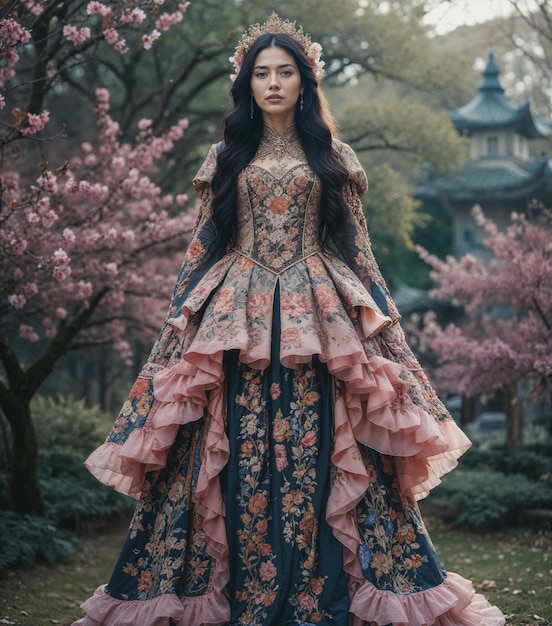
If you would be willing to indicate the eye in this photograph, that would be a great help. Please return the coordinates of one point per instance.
(260, 74)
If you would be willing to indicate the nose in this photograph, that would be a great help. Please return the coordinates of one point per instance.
(274, 80)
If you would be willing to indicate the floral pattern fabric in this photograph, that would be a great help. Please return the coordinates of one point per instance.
(279, 436)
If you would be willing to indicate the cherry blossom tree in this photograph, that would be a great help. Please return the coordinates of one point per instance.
(506, 299)
(90, 246)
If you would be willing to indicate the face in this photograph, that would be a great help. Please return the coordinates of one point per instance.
(276, 86)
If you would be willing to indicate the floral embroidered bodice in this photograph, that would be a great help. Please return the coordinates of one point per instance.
(278, 197)
(278, 217)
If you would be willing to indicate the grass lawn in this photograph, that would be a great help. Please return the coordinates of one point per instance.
(513, 570)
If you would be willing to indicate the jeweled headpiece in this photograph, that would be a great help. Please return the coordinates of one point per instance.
(275, 25)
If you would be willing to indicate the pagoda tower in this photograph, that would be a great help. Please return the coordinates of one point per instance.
(500, 174)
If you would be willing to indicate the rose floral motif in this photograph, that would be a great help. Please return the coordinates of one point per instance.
(258, 304)
(405, 534)
(268, 571)
(327, 300)
(293, 305)
(195, 250)
(279, 205)
(140, 387)
(306, 602)
(275, 391)
(280, 456)
(309, 439)
(290, 336)
(225, 303)
(257, 503)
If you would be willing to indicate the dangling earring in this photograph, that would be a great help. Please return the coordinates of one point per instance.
(301, 103)
(251, 109)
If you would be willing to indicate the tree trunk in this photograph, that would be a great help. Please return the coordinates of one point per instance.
(467, 410)
(514, 419)
(24, 489)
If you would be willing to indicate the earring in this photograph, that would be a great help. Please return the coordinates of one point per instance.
(301, 103)
(251, 109)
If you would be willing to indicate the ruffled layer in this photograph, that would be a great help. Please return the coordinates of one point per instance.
(124, 466)
(452, 603)
(103, 610)
(319, 298)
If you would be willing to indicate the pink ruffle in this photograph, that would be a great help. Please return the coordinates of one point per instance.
(452, 603)
(124, 466)
(212, 609)
(200, 377)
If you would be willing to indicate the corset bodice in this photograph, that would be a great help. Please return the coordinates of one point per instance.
(278, 217)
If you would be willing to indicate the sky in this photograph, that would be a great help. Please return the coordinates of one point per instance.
(449, 15)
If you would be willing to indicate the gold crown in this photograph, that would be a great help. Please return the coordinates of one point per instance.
(274, 24)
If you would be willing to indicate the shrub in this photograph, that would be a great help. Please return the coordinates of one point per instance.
(28, 538)
(491, 499)
(67, 431)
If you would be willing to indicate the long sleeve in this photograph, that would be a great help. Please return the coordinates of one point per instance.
(356, 245)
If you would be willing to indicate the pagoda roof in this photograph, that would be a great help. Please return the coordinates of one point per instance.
(497, 178)
(490, 109)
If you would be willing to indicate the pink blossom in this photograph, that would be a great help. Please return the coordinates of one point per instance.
(61, 273)
(18, 246)
(48, 182)
(60, 257)
(36, 122)
(167, 20)
(133, 16)
(115, 40)
(148, 40)
(49, 218)
(29, 289)
(486, 351)
(181, 199)
(98, 8)
(111, 269)
(28, 332)
(12, 33)
(17, 301)
(69, 235)
(144, 124)
(61, 313)
(2, 102)
(33, 217)
(77, 36)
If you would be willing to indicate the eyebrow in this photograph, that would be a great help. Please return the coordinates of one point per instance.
(265, 67)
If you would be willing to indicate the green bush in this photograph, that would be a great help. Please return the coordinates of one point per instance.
(532, 460)
(65, 424)
(67, 431)
(491, 499)
(28, 538)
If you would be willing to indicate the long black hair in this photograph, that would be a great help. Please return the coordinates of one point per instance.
(242, 136)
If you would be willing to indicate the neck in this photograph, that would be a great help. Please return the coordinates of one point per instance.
(279, 124)
(285, 133)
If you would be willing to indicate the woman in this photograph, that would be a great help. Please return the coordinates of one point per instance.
(282, 430)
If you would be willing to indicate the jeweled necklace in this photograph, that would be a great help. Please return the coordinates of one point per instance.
(280, 148)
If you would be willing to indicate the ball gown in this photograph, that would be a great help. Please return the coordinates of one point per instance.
(280, 434)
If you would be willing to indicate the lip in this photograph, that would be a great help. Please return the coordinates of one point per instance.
(274, 98)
